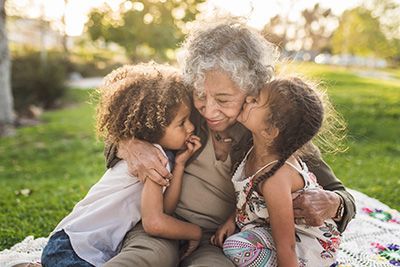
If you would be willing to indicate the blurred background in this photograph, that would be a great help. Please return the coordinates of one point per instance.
(54, 52)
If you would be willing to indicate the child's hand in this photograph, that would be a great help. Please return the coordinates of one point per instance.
(223, 232)
(189, 248)
(192, 146)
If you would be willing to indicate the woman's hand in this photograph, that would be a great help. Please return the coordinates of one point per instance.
(312, 207)
(192, 146)
(223, 232)
(144, 161)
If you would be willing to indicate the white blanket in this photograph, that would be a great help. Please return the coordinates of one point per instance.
(371, 239)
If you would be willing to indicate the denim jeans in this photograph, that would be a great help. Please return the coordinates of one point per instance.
(59, 252)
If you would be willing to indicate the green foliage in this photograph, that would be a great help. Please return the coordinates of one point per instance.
(360, 33)
(36, 81)
(145, 29)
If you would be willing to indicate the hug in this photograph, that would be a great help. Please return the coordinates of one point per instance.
(209, 164)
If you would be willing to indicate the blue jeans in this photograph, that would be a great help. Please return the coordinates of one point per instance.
(59, 252)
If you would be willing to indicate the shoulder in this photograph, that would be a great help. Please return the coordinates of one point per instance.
(285, 178)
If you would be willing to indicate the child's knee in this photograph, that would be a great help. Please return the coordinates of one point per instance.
(235, 245)
(247, 247)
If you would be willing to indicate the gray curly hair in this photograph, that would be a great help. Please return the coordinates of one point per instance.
(228, 44)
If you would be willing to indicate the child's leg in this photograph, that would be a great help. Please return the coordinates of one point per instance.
(59, 252)
(253, 247)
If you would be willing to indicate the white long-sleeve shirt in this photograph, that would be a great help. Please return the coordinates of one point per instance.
(98, 223)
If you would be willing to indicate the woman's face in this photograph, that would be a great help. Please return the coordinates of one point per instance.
(221, 101)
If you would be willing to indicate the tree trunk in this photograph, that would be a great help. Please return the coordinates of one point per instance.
(7, 116)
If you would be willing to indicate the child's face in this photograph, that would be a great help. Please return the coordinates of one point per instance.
(178, 132)
(255, 112)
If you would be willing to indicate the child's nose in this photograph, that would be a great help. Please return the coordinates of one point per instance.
(190, 127)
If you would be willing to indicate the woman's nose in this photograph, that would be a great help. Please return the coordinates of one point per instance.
(210, 109)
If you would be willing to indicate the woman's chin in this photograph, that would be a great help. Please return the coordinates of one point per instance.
(219, 127)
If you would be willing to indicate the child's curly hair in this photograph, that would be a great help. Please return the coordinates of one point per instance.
(139, 101)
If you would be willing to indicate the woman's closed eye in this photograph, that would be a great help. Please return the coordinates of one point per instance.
(222, 101)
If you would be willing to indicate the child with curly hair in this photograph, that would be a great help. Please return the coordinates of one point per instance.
(146, 101)
(283, 120)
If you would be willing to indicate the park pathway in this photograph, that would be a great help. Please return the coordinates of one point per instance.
(85, 83)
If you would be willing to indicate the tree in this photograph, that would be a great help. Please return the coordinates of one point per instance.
(359, 33)
(387, 11)
(145, 29)
(317, 34)
(310, 32)
(6, 99)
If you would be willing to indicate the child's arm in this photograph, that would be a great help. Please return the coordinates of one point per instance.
(173, 192)
(277, 194)
(155, 222)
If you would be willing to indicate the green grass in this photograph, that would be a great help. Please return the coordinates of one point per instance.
(57, 160)
(60, 159)
(371, 109)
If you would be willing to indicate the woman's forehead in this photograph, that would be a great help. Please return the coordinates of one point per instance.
(219, 83)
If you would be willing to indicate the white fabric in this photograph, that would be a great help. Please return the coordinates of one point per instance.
(315, 246)
(355, 250)
(98, 223)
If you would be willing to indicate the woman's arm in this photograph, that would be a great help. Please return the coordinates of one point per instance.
(318, 205)
(277, 194)
(157, 223)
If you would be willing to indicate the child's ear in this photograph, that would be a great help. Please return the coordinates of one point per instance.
(270, 133)
(250, 99)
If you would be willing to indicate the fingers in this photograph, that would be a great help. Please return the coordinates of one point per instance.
(212, 240)
(220, 239)
(189, 147)
(193, 138)
(300, 221)
(145, 160)
(155, 176)
(192, 246)
(308, 208)
(197, 145)
(163, 161)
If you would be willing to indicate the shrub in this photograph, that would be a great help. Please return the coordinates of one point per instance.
(38, 82)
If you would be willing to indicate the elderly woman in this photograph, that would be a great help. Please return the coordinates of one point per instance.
(225, 61)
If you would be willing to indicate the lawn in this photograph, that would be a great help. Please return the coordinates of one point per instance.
(46, 169)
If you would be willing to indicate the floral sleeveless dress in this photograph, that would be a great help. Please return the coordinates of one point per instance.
(254, 245)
